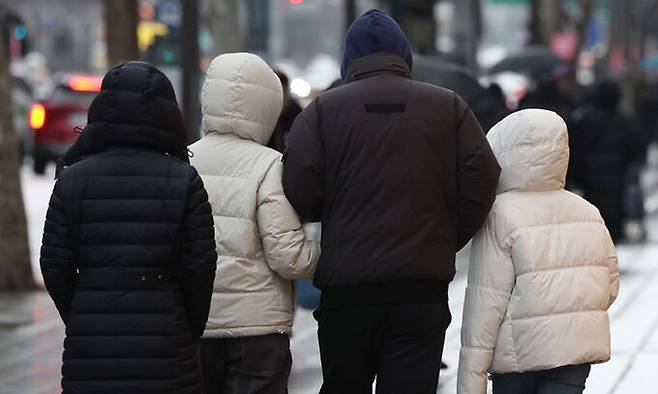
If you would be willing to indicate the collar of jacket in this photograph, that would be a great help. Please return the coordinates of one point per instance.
(377, 64)
(100, 136)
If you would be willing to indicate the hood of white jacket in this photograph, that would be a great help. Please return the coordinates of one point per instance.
(241, 95)
(532, 148)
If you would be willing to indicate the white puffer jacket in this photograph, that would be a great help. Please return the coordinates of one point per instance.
(543, 270)
(260, 242)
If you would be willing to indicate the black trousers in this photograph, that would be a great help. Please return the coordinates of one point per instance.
(564, 380)
(401, 345)
(248, 365)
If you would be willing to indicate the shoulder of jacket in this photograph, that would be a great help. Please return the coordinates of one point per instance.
(513, 211)
(585, 208)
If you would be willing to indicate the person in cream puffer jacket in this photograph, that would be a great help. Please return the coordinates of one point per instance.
(261, 244)
(543, 271)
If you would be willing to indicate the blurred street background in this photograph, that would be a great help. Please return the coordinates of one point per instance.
(500, 55)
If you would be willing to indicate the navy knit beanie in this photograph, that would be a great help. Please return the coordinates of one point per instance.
(374, 32)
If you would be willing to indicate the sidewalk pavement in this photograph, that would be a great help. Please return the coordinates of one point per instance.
(31, 335)
(634, 321)
(31, 332)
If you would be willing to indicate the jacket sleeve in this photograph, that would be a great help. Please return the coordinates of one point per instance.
(491, 279)
(303, 173)
(288, 250)
(478, 173)
(613, 266)
(196, 271)
(58, 255)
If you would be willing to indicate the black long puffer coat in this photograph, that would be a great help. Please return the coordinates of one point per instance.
(128, 251)
(603, 144)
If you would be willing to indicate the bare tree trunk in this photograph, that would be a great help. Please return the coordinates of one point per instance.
(630, 81)
(546, 18)
(646, 26)
(416, 17)
(15, 268)
(121, 31)
(586, 7)
(534, 23)
(350, 13)
(474, 34)
(191, 69)
(221, 19)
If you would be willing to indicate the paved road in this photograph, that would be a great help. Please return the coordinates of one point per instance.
(31, 333)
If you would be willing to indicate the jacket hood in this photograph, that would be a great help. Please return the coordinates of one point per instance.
(136, 108)
(374, 32)
(241, 95)
(532, 148)
(607, 95)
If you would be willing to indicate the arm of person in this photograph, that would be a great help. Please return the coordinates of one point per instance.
(196, 271)
(288, 250)
(478, 173)
(303, 172)
(58, 255)
(613, 266)
(491, 279)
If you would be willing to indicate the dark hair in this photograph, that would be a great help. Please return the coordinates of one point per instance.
(282, 77)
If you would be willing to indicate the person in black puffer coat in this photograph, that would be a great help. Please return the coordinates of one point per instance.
(128, 251)
(603, 143)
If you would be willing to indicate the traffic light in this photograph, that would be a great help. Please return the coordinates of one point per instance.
(20, 32)
(14, 30)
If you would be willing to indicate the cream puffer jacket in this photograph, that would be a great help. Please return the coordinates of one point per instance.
(543, 269)
(261, 244)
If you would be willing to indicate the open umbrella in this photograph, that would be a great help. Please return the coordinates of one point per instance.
(448, 75)
(488, 107)
(535, 61)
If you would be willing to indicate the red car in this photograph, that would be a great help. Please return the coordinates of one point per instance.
(55, 119)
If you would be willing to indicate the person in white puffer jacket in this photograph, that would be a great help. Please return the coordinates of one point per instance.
(543, 271)
(261, 244)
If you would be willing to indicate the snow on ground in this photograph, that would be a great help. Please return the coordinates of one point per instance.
(36, 194)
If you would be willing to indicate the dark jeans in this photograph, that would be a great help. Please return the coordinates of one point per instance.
(399, 344)
(564, 380)
(259, 364)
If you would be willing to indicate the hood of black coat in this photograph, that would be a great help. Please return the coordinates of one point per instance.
(136, 108)
(607, 95)
(372, 33)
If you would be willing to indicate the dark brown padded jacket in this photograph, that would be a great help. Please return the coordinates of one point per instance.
(401, 176)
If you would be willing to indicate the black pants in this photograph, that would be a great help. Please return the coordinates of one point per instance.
(247, 365)
(564, 380)
(399, 344)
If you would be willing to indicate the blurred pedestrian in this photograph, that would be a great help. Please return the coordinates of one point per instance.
(128, 255)
(604, 144)
(496, 103)
(535, 312)
(289, 112)
(401, 176)
(260, 241)
(647, 103)
(556, 92)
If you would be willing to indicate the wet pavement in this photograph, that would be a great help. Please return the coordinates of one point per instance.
(31, 332)
(31, 336)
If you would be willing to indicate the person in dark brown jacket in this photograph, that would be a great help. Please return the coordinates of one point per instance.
(401, 176)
